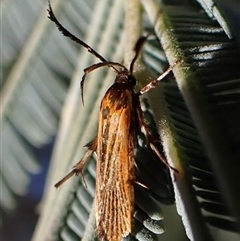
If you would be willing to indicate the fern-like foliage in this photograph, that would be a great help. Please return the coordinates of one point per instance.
(195, 112)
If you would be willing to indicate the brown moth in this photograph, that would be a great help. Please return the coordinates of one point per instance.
(120, 122)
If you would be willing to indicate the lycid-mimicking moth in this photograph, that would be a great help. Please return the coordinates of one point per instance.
(120, 121)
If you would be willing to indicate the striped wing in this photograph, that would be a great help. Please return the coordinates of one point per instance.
(115, 166)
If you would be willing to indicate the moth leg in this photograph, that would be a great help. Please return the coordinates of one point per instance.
(162, 157)
(143, 124)
(151, 143)
(92, 146)
(141, 185)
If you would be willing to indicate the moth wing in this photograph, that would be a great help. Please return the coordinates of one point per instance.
(115, 167)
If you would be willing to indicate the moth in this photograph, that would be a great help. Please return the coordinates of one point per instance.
(120, 121)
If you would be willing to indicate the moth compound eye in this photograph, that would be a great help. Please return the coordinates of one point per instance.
(132, 80)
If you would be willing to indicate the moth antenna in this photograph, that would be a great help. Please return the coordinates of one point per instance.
(66, 33)
(137, 49)
(141, 41)
(96, 66)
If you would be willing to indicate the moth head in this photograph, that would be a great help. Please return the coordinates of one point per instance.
(126, 77)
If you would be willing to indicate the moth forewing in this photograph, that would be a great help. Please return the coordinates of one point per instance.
(118, 127)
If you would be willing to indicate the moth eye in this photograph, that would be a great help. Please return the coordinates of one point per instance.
(132, 80)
